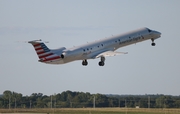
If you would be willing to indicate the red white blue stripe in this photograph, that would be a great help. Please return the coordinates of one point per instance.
(44, 53)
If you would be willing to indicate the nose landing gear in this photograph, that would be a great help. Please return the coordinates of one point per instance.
(153, 44)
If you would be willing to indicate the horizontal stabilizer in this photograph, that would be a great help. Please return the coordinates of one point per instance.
(34, 41)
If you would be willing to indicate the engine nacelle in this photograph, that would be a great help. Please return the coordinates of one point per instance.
(62, 56)
(71, 54)
(65, 54)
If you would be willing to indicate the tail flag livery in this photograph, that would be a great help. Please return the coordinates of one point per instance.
(43, 52)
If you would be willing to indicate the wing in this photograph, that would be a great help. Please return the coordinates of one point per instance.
(110, 53)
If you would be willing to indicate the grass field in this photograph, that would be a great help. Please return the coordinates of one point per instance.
(92, 111)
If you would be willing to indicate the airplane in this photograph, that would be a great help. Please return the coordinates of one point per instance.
(97, 49)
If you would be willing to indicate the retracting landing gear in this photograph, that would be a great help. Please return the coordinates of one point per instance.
(84, 62)
(153, 44)
(101, 63)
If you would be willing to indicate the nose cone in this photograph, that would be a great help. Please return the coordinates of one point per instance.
(157, 34)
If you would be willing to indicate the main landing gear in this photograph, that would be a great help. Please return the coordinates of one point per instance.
(84, 62)
(153, 44)
(101, 63)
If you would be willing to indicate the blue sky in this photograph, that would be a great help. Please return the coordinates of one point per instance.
(144, 70)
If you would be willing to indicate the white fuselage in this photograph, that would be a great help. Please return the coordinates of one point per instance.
(90, 50)
(97, 49)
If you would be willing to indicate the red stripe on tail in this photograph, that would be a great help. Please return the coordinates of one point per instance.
(36, 44)
(43, 56)
(41, 52)
(50, 59)
(38, 48)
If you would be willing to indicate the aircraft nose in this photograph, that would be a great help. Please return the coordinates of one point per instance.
(157, 33)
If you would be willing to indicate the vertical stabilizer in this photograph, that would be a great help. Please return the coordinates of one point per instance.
(43, 52)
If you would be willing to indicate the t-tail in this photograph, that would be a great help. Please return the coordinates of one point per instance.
(44, 53)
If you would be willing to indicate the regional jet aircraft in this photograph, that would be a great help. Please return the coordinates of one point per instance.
(97, 49)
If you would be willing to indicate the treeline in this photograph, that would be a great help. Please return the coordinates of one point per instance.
(69, 99)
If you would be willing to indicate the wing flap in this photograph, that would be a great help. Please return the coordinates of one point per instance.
(110, 53)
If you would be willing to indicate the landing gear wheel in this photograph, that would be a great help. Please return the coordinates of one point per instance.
(84, 63)
(101, 63)
(153, 44)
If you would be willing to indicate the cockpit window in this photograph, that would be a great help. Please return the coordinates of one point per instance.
(149, 30)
